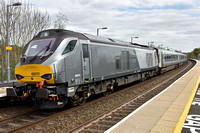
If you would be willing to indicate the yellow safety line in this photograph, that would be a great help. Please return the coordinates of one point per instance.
(179, 124)
(3, 89)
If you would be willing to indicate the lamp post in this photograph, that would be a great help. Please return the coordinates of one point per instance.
(132, 38)
(7, 31)
(2, 69)
(150, 43)
(99, 29)
(160, 46)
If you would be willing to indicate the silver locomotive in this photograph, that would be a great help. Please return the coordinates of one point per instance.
(60, 66)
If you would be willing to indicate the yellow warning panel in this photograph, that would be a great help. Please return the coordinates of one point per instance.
(8, 48)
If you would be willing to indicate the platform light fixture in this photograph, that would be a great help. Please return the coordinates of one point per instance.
(100, 29)
(133, 37)
(7, 32)
(150, 43)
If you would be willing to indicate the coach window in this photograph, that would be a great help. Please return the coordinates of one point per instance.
(70, 46)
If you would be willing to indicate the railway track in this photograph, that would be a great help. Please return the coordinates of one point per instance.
(10, 84)
(13, 122)
(22, 121)
(106, 120)
(33, 121)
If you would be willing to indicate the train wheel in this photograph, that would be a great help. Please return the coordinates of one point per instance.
(77, 99)
(109, 90)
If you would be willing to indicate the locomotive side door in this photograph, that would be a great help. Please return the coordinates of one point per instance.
(85, 62)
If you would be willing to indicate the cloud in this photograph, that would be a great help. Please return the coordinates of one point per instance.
(173, 23)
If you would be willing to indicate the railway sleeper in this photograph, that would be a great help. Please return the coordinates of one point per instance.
(127, 108)
(15, 124)
(114, 117)
(130, 108)
(3, 130)
(108, 122)
(103, 125)
(27, 120)
(125, 111)
(92, 131)
(36, 117)
(121, 114)
(130, 105)
(99, 126)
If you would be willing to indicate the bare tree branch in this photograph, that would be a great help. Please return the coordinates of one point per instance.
(61, 21)
(24, 22)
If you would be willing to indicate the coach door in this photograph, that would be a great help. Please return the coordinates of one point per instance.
(86, 62)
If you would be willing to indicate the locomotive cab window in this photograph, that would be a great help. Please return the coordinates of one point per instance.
(38, 47)
(70, 46)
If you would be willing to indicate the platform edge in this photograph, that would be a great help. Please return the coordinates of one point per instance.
(120, 122)
(179, 124)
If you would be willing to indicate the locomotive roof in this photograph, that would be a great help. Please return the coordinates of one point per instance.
(170, 52)
(59, 33)
(99, 39)
(92, 38)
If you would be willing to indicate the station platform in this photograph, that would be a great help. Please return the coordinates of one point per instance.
(2, 92)
(3, 87)
(166, 112)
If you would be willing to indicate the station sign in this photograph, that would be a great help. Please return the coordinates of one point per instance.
(8, 48)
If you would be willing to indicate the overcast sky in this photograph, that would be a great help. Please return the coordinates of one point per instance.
(172, 23)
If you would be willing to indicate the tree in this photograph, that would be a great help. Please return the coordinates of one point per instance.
(151, 45)
(61, 21)
(195, 53)
(25, 22)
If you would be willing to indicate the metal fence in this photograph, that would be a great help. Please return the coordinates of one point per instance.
(2, 73)
(3, 69)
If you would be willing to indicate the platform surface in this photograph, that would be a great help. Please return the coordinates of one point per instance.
(166, 112)
(192, 122)
(3, 92)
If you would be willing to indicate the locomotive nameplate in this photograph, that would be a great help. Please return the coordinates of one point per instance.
(31, 67)
(35, 73)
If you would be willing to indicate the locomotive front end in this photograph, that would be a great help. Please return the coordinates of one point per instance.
(34, 74)
(31, 68)
(36, 71)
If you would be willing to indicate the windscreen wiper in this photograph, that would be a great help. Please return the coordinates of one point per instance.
(45, 48)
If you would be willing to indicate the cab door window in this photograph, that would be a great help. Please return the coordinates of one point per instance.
(70, 46)
(85, 51)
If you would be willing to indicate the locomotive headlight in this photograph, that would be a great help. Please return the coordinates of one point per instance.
(46, 76)
(19, 77)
